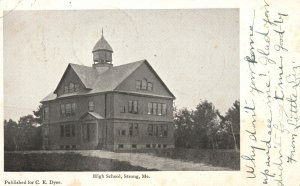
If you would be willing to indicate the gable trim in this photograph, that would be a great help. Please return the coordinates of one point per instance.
(64, 75)
(155, 74)
(93, 114)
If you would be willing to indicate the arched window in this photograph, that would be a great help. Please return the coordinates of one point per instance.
(66, 89)
(76, 87)
(71, 88)
(144, 84)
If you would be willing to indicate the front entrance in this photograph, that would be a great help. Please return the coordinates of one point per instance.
(88, 132)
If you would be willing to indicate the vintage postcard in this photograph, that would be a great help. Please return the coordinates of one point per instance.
(150, 93)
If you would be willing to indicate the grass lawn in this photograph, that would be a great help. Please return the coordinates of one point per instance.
(63, 162)
(199, 159)
(219, 158)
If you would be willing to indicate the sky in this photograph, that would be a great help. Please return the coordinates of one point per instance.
(194, 51)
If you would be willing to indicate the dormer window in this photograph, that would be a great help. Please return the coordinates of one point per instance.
(143, 85)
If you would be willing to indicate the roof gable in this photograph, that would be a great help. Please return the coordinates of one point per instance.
(145, 71)
(86, 75)
(110, 80)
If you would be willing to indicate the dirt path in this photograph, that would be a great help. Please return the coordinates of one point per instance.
(142, 159)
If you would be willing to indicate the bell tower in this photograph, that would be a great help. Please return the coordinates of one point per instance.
(102, 55)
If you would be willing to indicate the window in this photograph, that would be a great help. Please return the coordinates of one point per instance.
(159, 145)
(148, 146)
(91, 106)
(164, 130)
(67, 130)
(121, 132)
(122, 109)
(133, 146)
(130, 129)
(159, 130)
(76, 87)
(71, 88)
(73, 108)
(150, 130)
(149, 108)
(159, 109)
(129, 106)
(62, 131)
(165, 145)
(154, 109)
(62, 110)
(68, 109)
(121, 146)
(133, 129)
(138, 84)
(66, 89)
(133, 107)
(73, 130)
(155, 130)
(46, 113)
(136, 129)
(144, 84)
(149, 86)
(153, 145)
(164, 109)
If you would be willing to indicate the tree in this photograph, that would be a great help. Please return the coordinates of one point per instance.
(206, 120)
(184, 125)
(233, 115)
(231, 125)
(206, 127)
(38, 114)
(233, 120)
(10, 135)
(22, 136)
